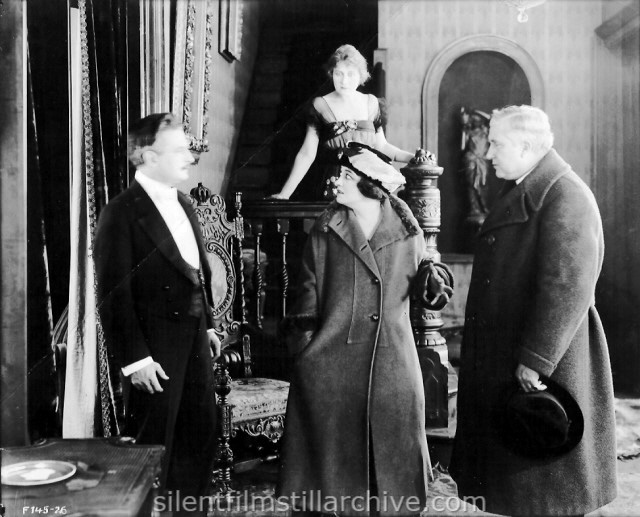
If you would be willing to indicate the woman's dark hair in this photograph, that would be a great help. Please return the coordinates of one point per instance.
(369, 189)
(143, 133)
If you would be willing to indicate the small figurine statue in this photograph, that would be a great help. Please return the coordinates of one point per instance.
(475, 166)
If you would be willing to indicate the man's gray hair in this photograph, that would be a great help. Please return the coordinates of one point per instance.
(529, 123)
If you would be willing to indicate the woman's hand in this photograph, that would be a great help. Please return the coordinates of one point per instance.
(433, 285)
(438, 288)
(278, 195)
(305, 157)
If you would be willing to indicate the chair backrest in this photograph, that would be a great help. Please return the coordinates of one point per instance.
(222, 240)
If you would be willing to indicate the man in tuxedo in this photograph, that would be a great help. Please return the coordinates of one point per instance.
(153, 295)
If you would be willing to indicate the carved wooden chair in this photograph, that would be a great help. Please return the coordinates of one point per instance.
(250, 405)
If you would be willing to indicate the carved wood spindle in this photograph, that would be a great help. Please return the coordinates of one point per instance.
(283, 230)
(238, 221)
(246, 356)
(223, 461)
(257, 272)
(423, 197)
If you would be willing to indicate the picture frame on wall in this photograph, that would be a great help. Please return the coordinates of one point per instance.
(230, 29)
(192, 70)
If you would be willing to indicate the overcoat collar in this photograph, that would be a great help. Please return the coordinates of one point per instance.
(395, 224)
(154, 225)
(517, 205)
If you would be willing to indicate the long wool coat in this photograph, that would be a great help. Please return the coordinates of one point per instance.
(531, 301)
(356, 385)
(144, 293)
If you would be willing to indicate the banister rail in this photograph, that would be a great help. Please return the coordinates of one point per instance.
(266, 220)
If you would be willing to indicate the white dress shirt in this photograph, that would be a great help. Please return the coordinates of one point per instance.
(165, 198)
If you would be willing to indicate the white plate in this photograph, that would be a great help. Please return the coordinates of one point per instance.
(31, 473)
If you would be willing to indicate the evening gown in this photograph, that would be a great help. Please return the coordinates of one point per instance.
(334, 135)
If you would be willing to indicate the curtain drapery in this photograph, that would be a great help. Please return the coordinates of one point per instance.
(99, 170)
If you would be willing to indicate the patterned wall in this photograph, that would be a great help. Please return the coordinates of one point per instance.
(559, 36)
(230, 87)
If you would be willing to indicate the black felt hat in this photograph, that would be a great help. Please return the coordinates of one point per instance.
(541, 423)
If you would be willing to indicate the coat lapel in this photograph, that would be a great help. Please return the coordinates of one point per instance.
(153, 224)
(517, 205)
(344, 224)
(197, 230)
(390, 229)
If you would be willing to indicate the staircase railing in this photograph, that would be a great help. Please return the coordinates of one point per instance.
(276, 229)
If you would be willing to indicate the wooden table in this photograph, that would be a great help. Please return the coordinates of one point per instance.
(114, 478)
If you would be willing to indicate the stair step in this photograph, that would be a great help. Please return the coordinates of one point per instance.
(254, 155)
(274, 39)
(251, 176)
(256, 134)
(250, 193)
(265, 98)
(272, 63)
(262, 116)
(268, 82)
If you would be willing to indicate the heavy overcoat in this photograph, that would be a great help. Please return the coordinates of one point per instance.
(531, 301)
(356, 385)
(145, 292)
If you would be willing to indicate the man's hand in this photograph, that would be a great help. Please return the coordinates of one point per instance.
(529, 379)
(214, 344)
(148, 378)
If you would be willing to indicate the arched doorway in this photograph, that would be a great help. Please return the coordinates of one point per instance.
(482, 80)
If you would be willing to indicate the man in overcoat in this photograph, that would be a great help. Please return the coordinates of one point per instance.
(356, 411)
(531, 313)
(153, 293)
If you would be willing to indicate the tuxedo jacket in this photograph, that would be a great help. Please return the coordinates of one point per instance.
(145, 287)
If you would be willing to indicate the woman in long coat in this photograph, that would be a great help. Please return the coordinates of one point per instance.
(355, 415)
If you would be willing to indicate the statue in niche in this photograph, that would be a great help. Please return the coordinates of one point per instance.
(475, 166)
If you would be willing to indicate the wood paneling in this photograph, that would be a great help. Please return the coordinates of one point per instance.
(617, 187)
(231, 82)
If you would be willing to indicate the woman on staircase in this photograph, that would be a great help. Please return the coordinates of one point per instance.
(334, 119)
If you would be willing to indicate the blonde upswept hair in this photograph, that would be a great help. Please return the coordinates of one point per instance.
(350, 55)
(526, 123)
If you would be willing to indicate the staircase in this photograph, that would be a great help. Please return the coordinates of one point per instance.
(295, 41)
(254, 155)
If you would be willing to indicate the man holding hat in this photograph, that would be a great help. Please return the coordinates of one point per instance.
(536, 426)
(355, 435)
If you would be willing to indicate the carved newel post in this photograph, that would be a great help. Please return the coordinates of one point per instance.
(423, 197)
